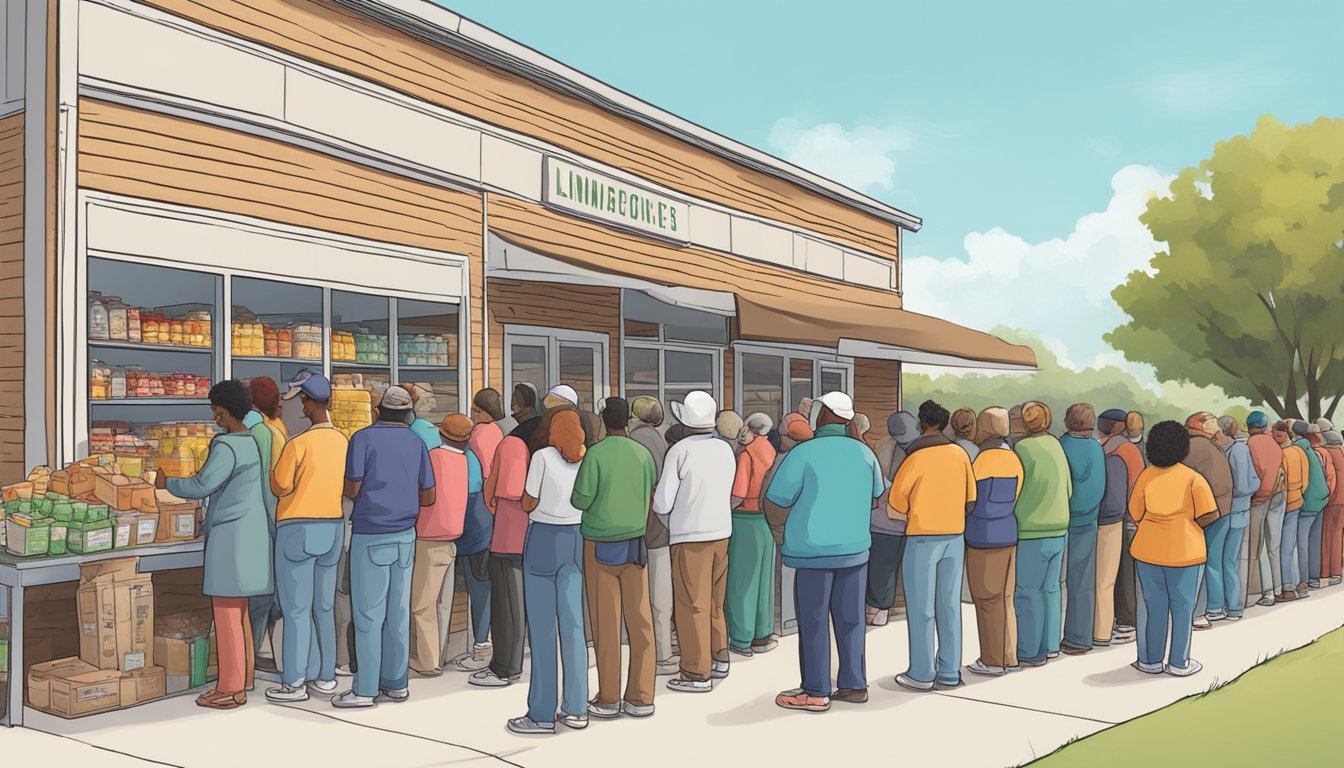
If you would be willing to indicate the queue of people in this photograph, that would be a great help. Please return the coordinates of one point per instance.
(614, 532)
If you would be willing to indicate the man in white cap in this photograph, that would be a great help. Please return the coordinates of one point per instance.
(694, 495)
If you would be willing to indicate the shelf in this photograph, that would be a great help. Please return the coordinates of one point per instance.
(444, 368)
(141, 347)
(295, 360)
(153, 401)
(378, 366)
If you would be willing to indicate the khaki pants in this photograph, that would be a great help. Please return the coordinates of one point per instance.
(616, 592)
(432, 576)
(660, 598)
(992, 574)
(1110, 539)
(699, 586)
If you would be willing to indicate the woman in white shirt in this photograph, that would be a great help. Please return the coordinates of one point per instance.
(553, 583)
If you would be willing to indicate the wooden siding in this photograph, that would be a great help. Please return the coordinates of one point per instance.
(344, 40)
(553, 305)
(877, 391)
(11, 299)
(142, 154)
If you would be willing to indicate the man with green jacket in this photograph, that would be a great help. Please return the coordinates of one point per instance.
(1314, 498)
(1042, 528)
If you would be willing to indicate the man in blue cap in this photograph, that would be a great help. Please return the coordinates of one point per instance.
(309, 537)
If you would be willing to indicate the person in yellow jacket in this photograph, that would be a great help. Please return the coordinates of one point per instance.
(1295, 469)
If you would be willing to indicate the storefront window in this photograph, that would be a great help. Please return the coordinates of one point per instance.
(275, 330)
(800, 381)
(833, 380)
(763, 385)
(648, 318)
(360, 349)
(578, 368)
(527, 365)
(427, 342)
(686, 372)
(641, 372)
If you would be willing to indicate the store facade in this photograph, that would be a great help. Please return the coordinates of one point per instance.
(390, 193)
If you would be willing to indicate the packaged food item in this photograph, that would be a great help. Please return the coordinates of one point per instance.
(83, 538)
(176, 332)
(98, 330)
(116, 319)
(284, 342)
(118, 382)
(27, 535)
(308, 342)
(134, 329)
(100, 381)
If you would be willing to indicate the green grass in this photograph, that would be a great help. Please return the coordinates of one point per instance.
(1287, 711)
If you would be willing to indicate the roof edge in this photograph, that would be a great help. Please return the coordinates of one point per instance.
(432, 23)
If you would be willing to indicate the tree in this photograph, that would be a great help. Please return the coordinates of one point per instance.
(1059, 387)
(1247, 296)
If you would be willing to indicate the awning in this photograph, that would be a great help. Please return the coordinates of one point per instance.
(884, 333)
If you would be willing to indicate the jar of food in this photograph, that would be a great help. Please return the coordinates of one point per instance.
(116, 319)
(133, 326)
(118, 382)
(98, 330)
(207, 330)
(176, 332)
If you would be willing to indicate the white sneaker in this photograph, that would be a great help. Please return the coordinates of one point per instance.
(286, 695)
(576, 722)
(686, 685)
(322, 687)
(1217, 616)
(1147, 669)
(604, 711)
(909, 683)
(1191, 667)
(1201, 623)
(666, 668)
(349, 700)
(393, 697)
(719, 670)
(637, 710)
(472, 662)
(487, 679)
(529, 727)
(878, 617)
(984, 670)
(344, 671)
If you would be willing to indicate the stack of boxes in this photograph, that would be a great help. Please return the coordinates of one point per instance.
(351, 410)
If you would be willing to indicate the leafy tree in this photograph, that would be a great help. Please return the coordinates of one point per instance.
(1059, 387)
(1248, 296)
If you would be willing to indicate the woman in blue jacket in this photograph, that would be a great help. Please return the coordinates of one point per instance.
(991, 545)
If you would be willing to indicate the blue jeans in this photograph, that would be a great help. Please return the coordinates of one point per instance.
(380, 601)
(1288, 550)
(931, 574)
(1036, 598)
(1168, 603)
(553, 599)
(1309, 536)
(1215, 586)
(478, 595)
(825, 597)
(307, 556)
(1234, 592)
(1081, 578)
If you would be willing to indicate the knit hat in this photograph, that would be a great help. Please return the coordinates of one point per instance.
(962, 423)
(759, 423)
(903, 427)
(993, 422)
(1037, 417)
(1257, 420)
(728, 424)
(456, 427)
(1333, 437)
(1113, 414)
(1281, 426)
(1080, 417)
(647, 409)
(560, 396)
(1202, 421)
(1301, 428)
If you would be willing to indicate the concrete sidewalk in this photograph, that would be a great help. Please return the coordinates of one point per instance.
(989, 722)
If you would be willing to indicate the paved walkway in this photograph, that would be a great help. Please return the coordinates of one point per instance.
(989, 722)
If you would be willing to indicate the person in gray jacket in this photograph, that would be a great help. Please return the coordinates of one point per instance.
(888, 548)
(646, 416)
(1245, 483)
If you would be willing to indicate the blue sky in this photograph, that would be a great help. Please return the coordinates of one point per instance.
(1025, 134)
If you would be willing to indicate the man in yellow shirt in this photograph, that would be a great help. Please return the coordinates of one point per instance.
(1296, 469)
(933, 492)
(310, 533)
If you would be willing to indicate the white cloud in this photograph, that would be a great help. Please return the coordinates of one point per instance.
(1212, 88)
(1059, 288)
(862, 157)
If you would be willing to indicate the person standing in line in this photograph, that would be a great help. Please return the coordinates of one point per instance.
(888, 535)
(1171, 503)
(1315, 535)
(934, 491)
(695, 496)
(504, 497)
(794, 425)
(309, 538)
(553, 584)
(1134, 431)
(1264, 573)
(237, 539)
(1332, 546)
(389, 477)
(646, 417)
(1042, 512)
(263, 421)
(1296, 470)
(750, 605)
(489, 427)
(1017, 428)
(961, 430)
(727, 427)
(423, 428)
(1116, 443)
(1245, 482)
(991, 545)
(614, 486)
(1211, 463)
(819, 497)
(437, 531)
(473, 547)
(1110, 535)
(1087, 473)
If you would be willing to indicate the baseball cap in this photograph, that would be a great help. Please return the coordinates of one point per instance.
(839, 403)
(396, 399)
(1113, 414)
(310, 383)
(1257, 420)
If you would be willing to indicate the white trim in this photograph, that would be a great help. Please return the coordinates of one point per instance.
(796, 350)
(427, 21)
(36, 388)
(868, 349)
(274, 122)
(71, 354)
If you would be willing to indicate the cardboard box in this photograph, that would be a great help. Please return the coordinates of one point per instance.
(143, 685)
(40, 676)
(176, 517)
(116, 620)
(111, 569)
(90, 537)
(85, 693)
(27, 538)
(74, 480)
(121, 492)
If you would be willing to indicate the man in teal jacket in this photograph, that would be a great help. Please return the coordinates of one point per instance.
(1087, 471)
(829, 484)
(1314, 498)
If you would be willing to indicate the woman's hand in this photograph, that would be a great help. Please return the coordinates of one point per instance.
(160, 481)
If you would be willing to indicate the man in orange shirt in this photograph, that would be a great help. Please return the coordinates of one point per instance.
(1296, 467)
(750, 605)
(933, 492)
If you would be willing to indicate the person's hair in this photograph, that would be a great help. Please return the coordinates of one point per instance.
(1168, 444)
(1133, 424)
(394, 415)
(1228, 424)
(1080, 417)
(265, 396)
(676, 433)
(932, 414)
(616, 413)
(648, 410)
(488, 400)
(963, 423)
(233, 397)
(728, 424)
(526, 395)
(567, 435)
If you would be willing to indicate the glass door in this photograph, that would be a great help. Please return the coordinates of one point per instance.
(834, 379)
(545, 357)
(580, 364)
(525, 361)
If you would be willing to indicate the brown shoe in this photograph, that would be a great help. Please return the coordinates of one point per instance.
(1286, 597)
(851, 695)
(221, 700)
(1073, 650)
